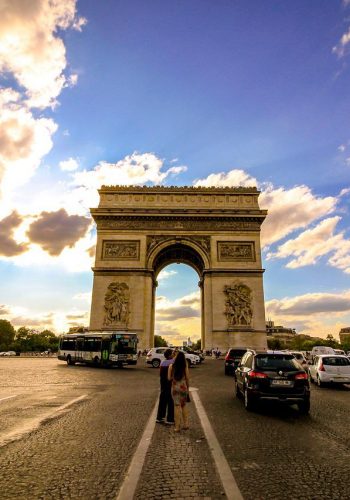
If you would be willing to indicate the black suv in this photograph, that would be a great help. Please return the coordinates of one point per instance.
(272, 376)
(232, 358)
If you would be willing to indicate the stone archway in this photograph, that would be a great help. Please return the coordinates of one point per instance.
(216, 231)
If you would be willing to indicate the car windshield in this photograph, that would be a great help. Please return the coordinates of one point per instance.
(277, 362)
(237, 353)
(334, 361)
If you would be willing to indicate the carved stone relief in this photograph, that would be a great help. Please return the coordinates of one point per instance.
(165, 224)
(120, 250)
(243, 251)
(202, 241)
(116, 305)
(238, 309)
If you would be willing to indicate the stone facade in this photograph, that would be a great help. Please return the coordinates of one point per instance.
(216, 231)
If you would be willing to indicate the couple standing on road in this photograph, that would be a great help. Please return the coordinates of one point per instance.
(174, 387)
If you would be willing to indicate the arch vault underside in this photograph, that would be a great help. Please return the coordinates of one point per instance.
(216, 231)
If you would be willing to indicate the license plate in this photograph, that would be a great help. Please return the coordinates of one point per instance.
(281, 382)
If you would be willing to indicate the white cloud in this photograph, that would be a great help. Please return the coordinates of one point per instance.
(30, 49)
(163, 275)
(83, 296)
(340, 48)
(232, 178)
(56, 321)
(184, 307)
(291, 209)
(288, 209)
(312, 244)
(69, 165)
(134, 169)
(316, 314)
(24, 140)
(33, 55)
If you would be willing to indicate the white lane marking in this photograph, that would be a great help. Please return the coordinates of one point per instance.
(223, 468)
(8, 397)
(34, 423)
(128, 487)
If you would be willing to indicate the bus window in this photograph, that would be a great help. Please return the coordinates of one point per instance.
(68, 345)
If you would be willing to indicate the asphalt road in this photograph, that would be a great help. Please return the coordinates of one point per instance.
(71, 432)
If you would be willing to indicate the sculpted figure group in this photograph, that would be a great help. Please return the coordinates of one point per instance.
(238, 305)
(116, 304)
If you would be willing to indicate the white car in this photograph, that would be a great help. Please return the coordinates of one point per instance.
(299, 356)
(156, 355)
(330, 368)
(9, 353)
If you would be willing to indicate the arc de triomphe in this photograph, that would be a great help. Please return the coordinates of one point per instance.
(216, 231)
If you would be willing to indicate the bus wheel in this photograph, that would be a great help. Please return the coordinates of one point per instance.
(96, 361)
(69, 361)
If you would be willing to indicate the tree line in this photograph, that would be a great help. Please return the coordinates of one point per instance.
(26, 339)
(299, 343)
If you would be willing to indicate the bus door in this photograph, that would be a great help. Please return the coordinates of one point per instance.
(105, 350)
(79, 350)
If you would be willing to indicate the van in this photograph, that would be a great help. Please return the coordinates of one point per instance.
(340, 351)
(321, 349)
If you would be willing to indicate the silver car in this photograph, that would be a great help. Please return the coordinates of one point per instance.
(330, 368)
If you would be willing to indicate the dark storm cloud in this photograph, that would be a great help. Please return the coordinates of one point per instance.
(174, 313)
(56, 230)
(8, 245)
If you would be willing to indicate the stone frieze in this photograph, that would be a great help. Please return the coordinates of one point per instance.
(230, 251)
(120, 250)
(169, 224)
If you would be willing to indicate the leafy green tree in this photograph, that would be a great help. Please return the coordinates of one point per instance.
(273, 343)
(7, 334)
(159, 341)
(197, 345)
(27, 340)
(330, 340)
(23, 341)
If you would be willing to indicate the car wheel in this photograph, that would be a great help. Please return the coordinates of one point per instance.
(248, 401)
(304, 407)
(155, 363)
(319, 382)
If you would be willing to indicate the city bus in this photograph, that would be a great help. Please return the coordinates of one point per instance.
(99, 348)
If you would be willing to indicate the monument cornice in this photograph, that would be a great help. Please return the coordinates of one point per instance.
(178, 189)
(184, 222)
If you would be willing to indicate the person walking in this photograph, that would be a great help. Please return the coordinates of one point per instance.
(166, 403)
(178, 374)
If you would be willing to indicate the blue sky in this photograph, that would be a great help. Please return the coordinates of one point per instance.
(231, 92)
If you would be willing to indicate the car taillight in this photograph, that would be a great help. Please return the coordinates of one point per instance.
(299, 376)
(255, 374)
(321, 368)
